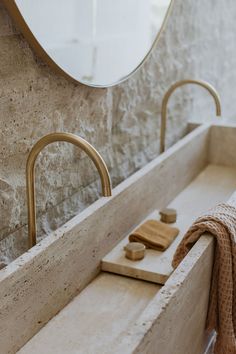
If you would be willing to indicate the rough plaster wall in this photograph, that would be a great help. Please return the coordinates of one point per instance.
(121, 122)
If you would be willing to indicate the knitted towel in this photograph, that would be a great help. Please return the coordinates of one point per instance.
(221, 223)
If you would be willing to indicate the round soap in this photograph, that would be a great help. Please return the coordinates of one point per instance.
(168, 215)
(135, 251)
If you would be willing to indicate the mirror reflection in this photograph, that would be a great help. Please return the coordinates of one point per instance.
(96, 42)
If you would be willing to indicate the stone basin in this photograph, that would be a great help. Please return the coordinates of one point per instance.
(58, 284)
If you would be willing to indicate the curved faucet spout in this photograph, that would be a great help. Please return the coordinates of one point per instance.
(30, 172)
(166, 98)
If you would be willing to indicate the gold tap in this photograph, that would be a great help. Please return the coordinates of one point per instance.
(166, 98)
(30, 167)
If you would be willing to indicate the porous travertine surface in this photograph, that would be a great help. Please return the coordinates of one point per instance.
(122, 122)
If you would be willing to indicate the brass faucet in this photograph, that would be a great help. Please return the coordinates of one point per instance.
(166, 98)
(30, 173)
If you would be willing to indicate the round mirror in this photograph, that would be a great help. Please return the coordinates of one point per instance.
(96, 42)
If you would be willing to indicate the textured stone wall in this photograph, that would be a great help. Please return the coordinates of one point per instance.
(121, 122)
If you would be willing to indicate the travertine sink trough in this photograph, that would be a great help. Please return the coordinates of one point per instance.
(58, 284)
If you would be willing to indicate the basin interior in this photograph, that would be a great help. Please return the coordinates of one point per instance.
(213, 185)
(97, 319)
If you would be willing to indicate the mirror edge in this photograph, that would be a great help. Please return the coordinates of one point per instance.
(17, 17)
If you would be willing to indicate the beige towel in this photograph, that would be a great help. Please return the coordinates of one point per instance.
(154, 234)
(221, 223)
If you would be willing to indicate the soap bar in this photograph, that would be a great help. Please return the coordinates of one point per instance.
(154, 234)
(168, 215)
(135, 251)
